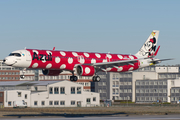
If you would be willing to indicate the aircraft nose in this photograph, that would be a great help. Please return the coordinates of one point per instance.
(9, 61)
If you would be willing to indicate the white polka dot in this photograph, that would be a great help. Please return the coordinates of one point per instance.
(63, 66)
(35, 65)
(49, 52)
(98, 55)
(131, 57)
(93, 61)
(62, 53)
(109, 56)
(49, 65)
(87, 70)
(70, 60)
(119, 69)
(104, 60)
(35, 51)
(57, 59)
(131, 68)
(86, 54)
(108, 69)
(120, 56)
(75, 54)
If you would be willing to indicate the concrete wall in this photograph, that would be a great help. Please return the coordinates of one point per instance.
(12, 95)
(67, 97)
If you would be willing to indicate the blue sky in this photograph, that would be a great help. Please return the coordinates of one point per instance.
(116, 26)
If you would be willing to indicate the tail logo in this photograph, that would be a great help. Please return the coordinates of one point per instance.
(150, 46)
(153, 34)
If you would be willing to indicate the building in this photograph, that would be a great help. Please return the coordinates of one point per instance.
(47, 94)
(125, 85)
(8, 73)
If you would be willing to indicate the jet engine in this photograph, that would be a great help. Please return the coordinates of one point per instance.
(51, 72)
(85, 70)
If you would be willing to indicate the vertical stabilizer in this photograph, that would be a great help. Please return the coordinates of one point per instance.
(149, 46)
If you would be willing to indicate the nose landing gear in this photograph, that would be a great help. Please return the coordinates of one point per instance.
(23, 71)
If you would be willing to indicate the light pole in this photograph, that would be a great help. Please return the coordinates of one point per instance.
(127, 100)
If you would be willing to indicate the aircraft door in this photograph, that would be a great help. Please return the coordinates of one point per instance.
(28, 56)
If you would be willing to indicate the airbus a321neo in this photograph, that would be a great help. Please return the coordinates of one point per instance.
(53, 62)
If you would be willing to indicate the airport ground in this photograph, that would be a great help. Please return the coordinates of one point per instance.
(90, 111)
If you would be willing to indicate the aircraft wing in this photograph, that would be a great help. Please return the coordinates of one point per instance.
(159, 60)
(115, 63)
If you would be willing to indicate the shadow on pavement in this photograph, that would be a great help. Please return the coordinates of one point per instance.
(63, 115)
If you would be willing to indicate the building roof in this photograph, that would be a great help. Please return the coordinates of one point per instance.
(12, 83)
(42, 83)
(29, 83)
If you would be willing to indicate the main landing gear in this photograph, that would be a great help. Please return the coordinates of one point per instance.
(96, 78)
(73, 78)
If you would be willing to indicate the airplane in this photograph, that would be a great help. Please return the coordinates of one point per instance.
(53, 62)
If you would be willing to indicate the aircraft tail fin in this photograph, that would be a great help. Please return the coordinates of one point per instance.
(149, 47)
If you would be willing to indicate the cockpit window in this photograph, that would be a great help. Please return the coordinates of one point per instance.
(15, 54)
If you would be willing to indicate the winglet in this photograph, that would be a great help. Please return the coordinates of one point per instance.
(53, 48)
(156, 51)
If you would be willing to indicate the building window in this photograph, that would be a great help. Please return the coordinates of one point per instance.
(78, 90)
(88, 100)
(35, 102)
(62, 90)
(50, 90)
(62, 103)
(25, 96)
(50, 102)
(94, 99)
(35, 88)
(72, 102)
(72, 90)
(1, 94)
(56, 102)
(56, 90)
(9, 103)
(42, 102)
(19, 94)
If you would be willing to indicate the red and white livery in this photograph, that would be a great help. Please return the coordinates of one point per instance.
(53, 62)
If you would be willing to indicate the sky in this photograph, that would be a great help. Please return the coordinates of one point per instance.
(115, 26)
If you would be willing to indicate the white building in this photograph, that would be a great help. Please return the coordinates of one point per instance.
(16, 95)
(47, 94)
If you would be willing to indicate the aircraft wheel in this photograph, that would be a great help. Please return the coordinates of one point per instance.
(73, 78)
(22, 76)
(93, 78)
(96, 78)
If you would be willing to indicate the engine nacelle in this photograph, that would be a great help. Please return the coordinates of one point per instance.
(85, 70)
(51, 72)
